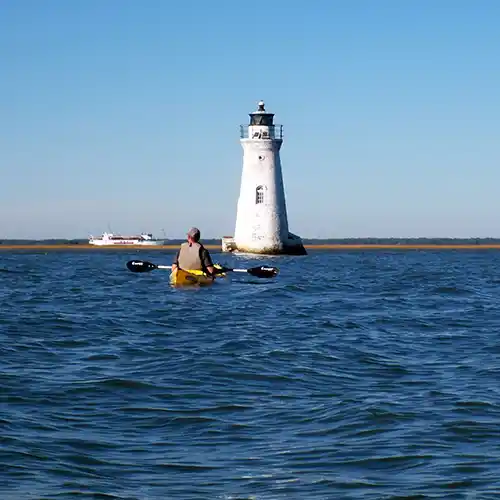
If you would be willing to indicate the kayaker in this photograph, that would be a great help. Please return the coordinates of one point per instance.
(193, 255)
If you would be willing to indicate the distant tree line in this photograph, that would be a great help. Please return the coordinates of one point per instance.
(402, 241)
(306, 241)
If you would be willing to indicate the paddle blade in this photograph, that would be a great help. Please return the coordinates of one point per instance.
(263, 272)
(140, 266)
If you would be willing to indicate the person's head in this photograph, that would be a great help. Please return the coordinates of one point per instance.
(193, 235)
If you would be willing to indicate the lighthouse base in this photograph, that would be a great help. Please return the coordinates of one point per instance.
(291, 246)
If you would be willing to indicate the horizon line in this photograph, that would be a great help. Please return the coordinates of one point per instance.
(339, 238)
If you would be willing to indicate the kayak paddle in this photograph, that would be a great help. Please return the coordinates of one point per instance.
(142, 266)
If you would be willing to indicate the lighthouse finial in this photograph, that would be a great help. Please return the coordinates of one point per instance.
(261, 106)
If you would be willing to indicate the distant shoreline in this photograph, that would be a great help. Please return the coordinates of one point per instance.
(319, 246)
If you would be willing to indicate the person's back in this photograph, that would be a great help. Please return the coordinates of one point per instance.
(189, 256)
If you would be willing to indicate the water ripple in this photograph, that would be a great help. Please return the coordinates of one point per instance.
(352, 375)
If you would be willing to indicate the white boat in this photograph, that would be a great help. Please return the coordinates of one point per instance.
(118, 239)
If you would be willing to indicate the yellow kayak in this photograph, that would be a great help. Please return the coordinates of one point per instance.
(182, 277)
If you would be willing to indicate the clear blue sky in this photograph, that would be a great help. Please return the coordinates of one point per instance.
(125, 114)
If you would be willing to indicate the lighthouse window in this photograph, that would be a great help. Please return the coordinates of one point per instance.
(259, 195)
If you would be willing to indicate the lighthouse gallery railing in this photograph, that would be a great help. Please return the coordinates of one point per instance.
(275, 132)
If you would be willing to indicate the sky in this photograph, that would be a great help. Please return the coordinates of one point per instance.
(124, 115)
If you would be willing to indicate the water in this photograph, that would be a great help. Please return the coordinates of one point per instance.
(363, 374)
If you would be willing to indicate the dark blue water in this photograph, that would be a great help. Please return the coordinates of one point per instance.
(366, 374)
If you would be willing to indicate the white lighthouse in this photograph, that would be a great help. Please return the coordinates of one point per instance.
(261, 219)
